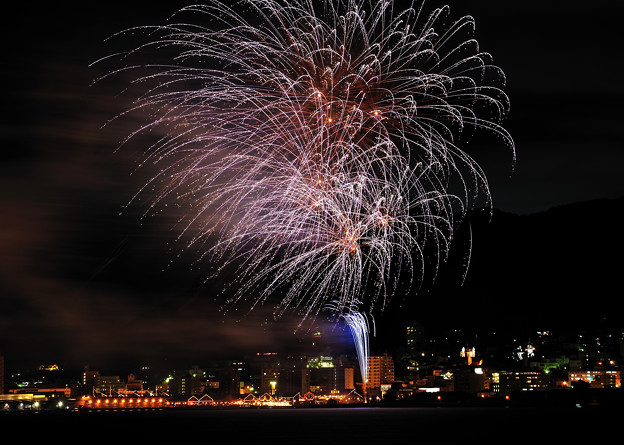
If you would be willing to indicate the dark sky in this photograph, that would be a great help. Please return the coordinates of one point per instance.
(82, 283)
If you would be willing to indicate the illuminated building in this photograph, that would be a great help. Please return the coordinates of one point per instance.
(52, 391)
(11, 402)
(551, 363)
(469, 355)
(414, 334)
(343, 378)
(505, 382)
(322, 374)
(122, 403)
(470, 380)
(133, 384)
(109, 385)
(185, 385)
(49, 368)
(293, 379)
(330, 375)
(269, 379)
(320, 362)
(380, 371)
(89, 380)
(349, 378)
(597, 379)
(200, 401)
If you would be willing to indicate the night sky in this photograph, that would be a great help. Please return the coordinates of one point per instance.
(85, 281)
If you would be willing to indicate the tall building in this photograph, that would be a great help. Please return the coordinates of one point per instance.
(349, 378)
(414, 334)
(229, 382)
(292, 381)
(305, 381)
(89, 380)
(329, 375)
(380, 371)
(270, 377)
(185, 385)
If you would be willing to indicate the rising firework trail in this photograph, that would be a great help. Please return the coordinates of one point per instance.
(314, 147)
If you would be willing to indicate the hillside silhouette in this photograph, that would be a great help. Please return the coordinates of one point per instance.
(554, 270)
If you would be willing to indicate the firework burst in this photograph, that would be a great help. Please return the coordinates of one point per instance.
(316, 145)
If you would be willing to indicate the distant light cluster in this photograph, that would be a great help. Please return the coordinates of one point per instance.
(314, 146)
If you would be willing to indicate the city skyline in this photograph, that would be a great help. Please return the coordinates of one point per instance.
(462, 362)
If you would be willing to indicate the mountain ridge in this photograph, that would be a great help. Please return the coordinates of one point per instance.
(555, 269)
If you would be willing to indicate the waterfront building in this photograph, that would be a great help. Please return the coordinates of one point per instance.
(29, 401)
(109, 385)
(134, 385)
(52, 391)
(89, 380)
(185, 385)
(380, 371)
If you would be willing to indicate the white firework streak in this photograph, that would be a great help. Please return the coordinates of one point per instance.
(358, 324)
(316, 147)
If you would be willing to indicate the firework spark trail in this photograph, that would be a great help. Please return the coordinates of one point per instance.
(359, 327)
(317, 148)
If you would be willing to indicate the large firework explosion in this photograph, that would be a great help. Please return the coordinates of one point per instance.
(314, 145)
